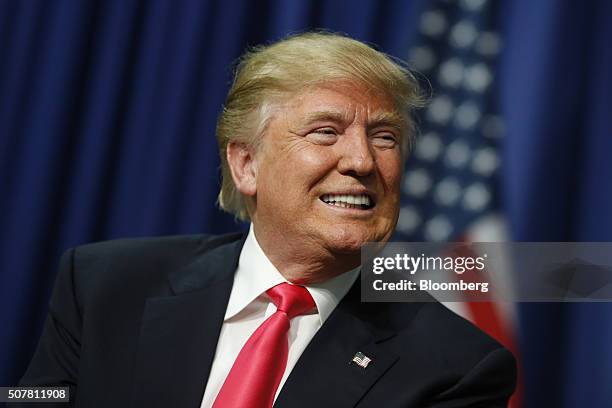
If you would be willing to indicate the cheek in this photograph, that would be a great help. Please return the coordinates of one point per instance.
(316, 157)
(311, 165)
(291, 178)
(391, 172)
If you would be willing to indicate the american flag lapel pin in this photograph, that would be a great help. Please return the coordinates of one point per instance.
(361, 360)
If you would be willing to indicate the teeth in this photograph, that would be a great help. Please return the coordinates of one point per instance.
(344, 200)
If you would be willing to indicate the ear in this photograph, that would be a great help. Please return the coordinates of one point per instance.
(242, 165)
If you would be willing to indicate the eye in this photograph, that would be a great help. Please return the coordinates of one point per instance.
(325, 136)
(325, 131)
(385, 140)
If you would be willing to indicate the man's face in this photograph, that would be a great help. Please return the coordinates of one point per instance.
(328, 170)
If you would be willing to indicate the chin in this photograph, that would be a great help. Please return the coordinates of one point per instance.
(349, 241)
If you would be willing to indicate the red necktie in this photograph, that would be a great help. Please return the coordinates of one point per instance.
(259, 367)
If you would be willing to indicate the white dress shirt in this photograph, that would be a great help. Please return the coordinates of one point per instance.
(249, 307)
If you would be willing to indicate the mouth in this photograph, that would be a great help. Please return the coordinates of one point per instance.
(351, 201)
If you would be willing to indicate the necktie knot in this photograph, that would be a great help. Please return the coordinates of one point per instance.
(292, 299)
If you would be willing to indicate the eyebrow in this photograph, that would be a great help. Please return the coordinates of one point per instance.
(331, 116)
(381, 118)
(387, 118)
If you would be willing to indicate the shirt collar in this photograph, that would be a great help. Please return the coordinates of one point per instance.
(256, 274)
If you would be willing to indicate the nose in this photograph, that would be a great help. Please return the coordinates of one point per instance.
(357, 158)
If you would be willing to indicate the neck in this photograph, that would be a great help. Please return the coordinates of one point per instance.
(303, 262)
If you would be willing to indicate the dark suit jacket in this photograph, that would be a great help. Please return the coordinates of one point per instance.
(135, 323)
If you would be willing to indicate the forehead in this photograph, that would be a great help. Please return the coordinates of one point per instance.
(342, 101)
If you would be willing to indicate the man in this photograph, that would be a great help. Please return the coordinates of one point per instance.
(312, 138)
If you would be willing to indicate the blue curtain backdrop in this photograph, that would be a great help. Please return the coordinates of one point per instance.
(107, 116)
(556, 97)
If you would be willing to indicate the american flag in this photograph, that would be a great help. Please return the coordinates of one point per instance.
(451, 177)
(450, 188)
(361, 360)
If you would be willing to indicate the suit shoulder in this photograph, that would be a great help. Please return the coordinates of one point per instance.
(136, 264)
(148, 250)
(151, 245)
(453, 341)
(430, 316)
(447, 324)
(476, 365)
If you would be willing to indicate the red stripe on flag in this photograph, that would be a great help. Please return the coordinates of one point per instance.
(486, 316)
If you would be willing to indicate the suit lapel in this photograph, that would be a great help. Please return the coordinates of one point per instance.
(325, 374)
(179, 333)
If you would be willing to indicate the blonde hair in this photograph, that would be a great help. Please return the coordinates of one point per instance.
(268, 74)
